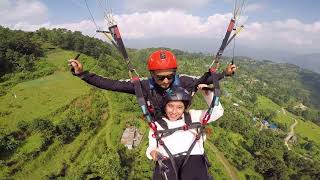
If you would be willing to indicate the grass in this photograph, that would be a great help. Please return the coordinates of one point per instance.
(249, 172)
(76, 154)
(39, 98)
(234, 137)
(266, 104)
(42, 96)
(217, 169)
(309, 130)
(32, 144)
(284, 119)
(59, 58)
(52, 160)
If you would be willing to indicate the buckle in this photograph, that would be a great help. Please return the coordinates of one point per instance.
(185, 127)
(161, 142)
(197, 137)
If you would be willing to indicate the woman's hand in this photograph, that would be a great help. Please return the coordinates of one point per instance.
(154, 155)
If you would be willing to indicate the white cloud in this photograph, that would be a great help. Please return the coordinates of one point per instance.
(163, 5)
(172, 23)
(15, 11)
(289, 35)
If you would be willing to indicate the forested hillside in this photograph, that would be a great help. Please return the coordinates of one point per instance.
(55, 126)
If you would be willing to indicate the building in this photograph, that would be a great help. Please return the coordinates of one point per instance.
(131, 138)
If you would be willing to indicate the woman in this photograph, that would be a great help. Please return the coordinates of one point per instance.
(178, 143)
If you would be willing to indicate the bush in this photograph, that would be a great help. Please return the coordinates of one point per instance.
(43, 125)
(103, 166)
(23, 126)
(68, 129)
(8, 144)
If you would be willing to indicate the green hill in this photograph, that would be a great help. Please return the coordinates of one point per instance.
(39, 98)
(56, 126)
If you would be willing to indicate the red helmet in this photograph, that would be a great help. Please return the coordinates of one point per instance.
(162, 59)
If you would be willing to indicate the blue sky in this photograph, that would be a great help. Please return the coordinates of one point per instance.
(271, 26)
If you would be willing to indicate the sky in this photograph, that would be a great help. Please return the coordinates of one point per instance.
(273, 28)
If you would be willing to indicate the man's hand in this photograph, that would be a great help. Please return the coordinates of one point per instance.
(231, 69)
(76, 66)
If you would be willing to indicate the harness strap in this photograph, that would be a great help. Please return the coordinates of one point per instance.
(193, 144)
(164, 125)
(174, 165)
(187, 118)
(162, 167)
(168, 132)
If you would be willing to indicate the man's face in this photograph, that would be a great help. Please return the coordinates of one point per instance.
(164, 78)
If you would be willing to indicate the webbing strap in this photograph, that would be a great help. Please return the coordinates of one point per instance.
(188, 152)
(225, 39)
(168, 132)
(192, 145)
(135, 80)
(114, 30)
(141, 101)
(173, 162)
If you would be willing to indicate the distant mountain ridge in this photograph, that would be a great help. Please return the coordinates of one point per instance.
(307, 61)
(210, 46)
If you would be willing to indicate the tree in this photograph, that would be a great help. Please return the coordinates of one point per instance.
(104, 166)
(271, 166)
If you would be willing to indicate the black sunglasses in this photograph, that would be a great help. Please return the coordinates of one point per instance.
(161, 78)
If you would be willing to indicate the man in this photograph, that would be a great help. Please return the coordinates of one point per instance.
(162, 65)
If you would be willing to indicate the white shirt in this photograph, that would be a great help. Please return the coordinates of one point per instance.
(181, 140)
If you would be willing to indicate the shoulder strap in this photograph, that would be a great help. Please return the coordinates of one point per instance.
(187, 121)
(176, 81)
(151, 83)
(187, 118)
(162, 123)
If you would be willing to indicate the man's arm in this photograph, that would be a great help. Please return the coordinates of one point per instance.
(191, 82)
(101, 82)
(104, 83)
(207, 78)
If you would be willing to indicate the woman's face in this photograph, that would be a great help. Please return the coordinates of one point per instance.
(174, 110)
